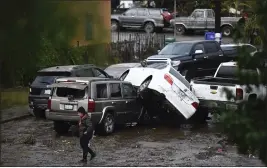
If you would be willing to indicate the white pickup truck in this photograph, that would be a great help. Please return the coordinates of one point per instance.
(210, 90)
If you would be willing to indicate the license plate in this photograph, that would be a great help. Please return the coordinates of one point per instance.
(178, 91)
(68, 107)
(47, 91)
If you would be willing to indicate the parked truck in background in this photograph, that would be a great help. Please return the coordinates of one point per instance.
(211, 90)
(204, 19)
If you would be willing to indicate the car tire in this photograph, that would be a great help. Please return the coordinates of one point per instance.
(180, 29)
(61, 127)
(201, 115)
(227, 31)
(39, 114)
(114, 25)
(149, 27)
(108, 124)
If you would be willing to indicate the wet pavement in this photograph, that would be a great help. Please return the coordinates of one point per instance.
(32, 142)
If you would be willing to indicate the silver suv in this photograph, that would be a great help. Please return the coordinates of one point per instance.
(108, 101)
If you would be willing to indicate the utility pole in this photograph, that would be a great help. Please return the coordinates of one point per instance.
(174, 10)
(217, 20)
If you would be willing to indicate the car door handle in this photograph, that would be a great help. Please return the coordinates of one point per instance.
(126, 102)
(132, 16)
(220, 55)
(113, 103)
(194, 59)
(206, 57)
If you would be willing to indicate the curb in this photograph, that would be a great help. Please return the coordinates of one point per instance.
(16, 118)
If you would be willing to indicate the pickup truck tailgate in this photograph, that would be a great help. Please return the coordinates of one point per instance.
(212, 91)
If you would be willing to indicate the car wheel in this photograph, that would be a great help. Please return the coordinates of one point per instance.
(227, 31)
(149, 27)
(61, 127)
(180, 29)
(108, 124)
(114, 25)
(201, 115)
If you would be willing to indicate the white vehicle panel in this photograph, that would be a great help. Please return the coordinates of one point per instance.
(177, 94)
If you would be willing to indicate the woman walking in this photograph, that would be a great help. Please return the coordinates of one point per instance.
(86, 131)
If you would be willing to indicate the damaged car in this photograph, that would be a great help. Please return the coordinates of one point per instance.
(162, 89)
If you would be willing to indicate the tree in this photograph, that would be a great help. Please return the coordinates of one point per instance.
(247, 125)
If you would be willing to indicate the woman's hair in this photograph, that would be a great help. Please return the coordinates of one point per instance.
(81, 110)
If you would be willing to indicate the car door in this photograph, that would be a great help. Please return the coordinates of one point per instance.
(214, 56)
(99, 73)
(132, 107)
(115, 95)
(210, 19)
(128, 18)
(199, 59)
(142, 14)
(200, 19)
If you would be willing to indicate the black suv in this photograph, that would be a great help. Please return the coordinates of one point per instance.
(39, 91)
(197, 58)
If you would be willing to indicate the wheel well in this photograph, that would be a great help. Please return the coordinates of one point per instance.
(252, 97)
(111, 112)
(148, 22)
(180, 25)
(226, 25)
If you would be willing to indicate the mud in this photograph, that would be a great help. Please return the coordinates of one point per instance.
(32, 142)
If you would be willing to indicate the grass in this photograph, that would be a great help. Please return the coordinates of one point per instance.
(14, 97)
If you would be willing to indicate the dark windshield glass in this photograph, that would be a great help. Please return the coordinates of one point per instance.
(232, 72)
(66, 92)
(176, 49)
(48, 77)
(116, 71)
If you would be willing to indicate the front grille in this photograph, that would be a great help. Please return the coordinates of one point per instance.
(36, 91)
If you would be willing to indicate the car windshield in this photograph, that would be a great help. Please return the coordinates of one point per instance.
(176, 49)
(232, 72)
(48, 77)
(116, 71)
(157, 65)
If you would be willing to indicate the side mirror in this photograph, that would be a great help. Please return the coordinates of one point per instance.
(158, 51)
(143, 63)
(198, 52)
(175, 63)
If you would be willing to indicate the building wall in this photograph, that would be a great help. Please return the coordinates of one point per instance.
(93, 25)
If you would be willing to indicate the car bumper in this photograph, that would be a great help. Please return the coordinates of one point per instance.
(38, 102)
(71, 117)
(221, 105)
(159, 25)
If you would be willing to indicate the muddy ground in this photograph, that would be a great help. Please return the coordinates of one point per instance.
(32, 142)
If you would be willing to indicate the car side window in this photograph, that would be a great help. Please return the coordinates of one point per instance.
(249, 48)
(199, 47)
(84, 73)
(115, 90)
(98, 73)
(101, 90)
(142, 12)
(198, 14)
(131, 12)
(128, 91)
(211, 47)
(210, 14)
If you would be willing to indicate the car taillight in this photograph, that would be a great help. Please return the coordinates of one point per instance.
(195, 105)
(91, 105)
(49, 104)
(168, 78)
(239, 94)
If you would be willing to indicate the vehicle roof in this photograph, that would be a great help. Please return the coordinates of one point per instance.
(194, 41)
(234, 45)
(124, 65)
(65, 68)
(229, 63)
(89, 79)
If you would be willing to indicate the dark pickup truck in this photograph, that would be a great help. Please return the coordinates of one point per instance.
(195, 58)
